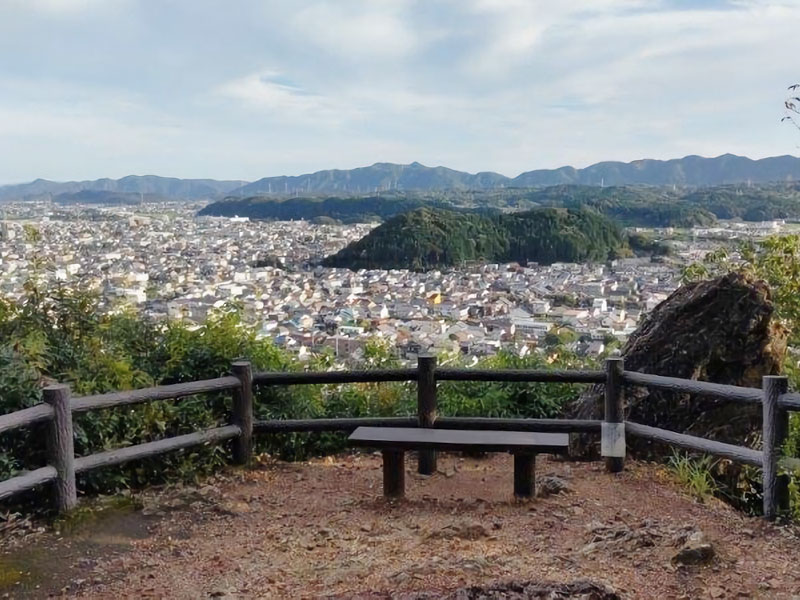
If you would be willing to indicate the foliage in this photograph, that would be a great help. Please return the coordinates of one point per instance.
(346, 210)
(60, 335)
(695, 474)
(507, 399)
(427, 238)
(643, 244)
(775, 259)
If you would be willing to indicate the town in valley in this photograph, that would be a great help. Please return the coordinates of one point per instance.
(163, 260)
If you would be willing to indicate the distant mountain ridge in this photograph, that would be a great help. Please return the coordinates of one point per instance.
(167, 187)
(383, 177)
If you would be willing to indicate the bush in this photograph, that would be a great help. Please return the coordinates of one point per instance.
(96, 353)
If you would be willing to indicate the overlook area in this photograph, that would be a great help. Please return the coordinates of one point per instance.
(320, 528)
(400, 300)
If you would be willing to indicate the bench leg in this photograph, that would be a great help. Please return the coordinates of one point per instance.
(427, 462)
(524, 474)
(394, 473)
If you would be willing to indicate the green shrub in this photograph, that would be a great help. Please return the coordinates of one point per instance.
(506, 399)
(694, 474)
(95, 353)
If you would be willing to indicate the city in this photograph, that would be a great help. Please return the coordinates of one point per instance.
(164, 261)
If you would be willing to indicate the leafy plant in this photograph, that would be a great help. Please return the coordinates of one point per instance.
(96, 352)
(694, 474)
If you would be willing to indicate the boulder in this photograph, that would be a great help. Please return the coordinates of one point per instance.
(696, 551)
(722, 330)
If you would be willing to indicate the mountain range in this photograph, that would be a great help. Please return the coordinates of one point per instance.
(383, 177)
(165, 187)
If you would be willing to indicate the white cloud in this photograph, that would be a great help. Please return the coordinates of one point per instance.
(265, 92)
(507, 85)
(359, 31)
(65, 7)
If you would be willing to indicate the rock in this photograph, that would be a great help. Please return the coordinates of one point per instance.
(696, 551)
(232, 508)
(464, 531)
(589, 548)
(551, 485)
(722, 330)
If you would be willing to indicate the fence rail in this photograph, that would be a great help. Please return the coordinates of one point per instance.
(746, 456)
(161, 392)
(26, 416)
(123, 455)
(689, 386)
(58, 408)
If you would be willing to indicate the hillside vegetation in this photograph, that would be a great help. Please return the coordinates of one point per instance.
(61, 335)
(346, 210)
(426, 238)
(628, 206)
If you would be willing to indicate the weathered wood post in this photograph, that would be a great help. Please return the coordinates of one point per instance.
(61, 447)
(394, 473)
(426, 407)
(243, 412)
(612, 442)
(524, 474)
(776, 428)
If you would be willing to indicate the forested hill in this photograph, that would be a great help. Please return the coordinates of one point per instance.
(629, 206)
(428, 238)
(347, 210)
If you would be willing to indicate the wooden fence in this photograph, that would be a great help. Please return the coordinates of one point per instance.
(63, 466)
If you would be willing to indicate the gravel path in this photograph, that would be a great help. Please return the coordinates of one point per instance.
(307, 530)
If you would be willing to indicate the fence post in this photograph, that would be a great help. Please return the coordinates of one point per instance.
(243, 412)
(426, 407)
(60, 447)
(612, 442)
(776, 428)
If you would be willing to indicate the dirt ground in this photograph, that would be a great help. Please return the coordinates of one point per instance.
(322, 529)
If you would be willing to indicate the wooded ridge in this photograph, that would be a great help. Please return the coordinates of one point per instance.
(427, 238)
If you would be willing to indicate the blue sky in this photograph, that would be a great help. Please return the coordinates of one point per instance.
(242, 89)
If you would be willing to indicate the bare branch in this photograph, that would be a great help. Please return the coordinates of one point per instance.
(792, 107)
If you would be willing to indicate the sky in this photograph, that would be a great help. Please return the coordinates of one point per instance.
(243, 89)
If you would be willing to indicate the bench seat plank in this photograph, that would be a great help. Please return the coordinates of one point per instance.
(406, 438)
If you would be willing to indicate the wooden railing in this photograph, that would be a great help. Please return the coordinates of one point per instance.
(62, 468)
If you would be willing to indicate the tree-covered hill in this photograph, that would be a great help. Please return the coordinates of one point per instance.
(347, 210)
(428, 238)
(628, 206)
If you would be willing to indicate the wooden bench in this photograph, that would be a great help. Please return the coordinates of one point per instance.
(394, 441)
